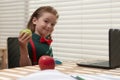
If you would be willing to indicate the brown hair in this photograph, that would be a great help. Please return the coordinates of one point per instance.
(38, 13)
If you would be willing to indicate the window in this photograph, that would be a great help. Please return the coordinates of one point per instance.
(81, 31)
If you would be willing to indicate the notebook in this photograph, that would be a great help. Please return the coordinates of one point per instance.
(114, 53)
(13, 52)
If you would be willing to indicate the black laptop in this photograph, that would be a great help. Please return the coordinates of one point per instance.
(114, 53)
(13, 52)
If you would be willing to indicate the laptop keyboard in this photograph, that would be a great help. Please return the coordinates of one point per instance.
(94, 62)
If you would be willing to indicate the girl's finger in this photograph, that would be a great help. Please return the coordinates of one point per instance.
(28, 38)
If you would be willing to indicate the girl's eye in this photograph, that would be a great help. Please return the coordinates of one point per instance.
(53, 24)
(45, 21)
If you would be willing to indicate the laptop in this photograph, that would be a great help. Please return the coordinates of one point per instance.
(114, 53)
(13, 52)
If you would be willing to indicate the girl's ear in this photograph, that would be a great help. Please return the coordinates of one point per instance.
(34, 20)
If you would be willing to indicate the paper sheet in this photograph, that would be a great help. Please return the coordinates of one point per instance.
(47, 75)
(97, 76)
(57, 75)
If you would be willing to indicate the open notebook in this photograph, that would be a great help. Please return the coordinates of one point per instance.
(114, 53)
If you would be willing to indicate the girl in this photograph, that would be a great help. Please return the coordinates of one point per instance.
(41, 24)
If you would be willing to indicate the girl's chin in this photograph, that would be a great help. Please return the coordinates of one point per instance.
(44, 34)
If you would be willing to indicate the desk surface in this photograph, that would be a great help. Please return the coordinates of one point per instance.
(66, 67)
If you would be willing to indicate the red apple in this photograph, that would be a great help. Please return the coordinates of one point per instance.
(46, 62)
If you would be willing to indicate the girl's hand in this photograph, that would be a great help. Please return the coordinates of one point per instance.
(24, 39)
(24, 56)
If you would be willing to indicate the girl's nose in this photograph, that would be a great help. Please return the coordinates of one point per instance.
(49, 26)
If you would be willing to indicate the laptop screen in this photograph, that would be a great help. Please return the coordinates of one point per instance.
(114, 47)
(114, 53)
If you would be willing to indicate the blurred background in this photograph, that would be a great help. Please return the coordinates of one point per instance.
(81, 31)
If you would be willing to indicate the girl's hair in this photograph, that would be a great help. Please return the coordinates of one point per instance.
(38, 14)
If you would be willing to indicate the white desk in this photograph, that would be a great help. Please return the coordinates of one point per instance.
(66, 67)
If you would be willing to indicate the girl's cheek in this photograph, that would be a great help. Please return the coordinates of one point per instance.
(52, 30)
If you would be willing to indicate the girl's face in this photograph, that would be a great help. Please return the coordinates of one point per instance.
(45, 24)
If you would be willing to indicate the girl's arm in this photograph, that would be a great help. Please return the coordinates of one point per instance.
(24, 57)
